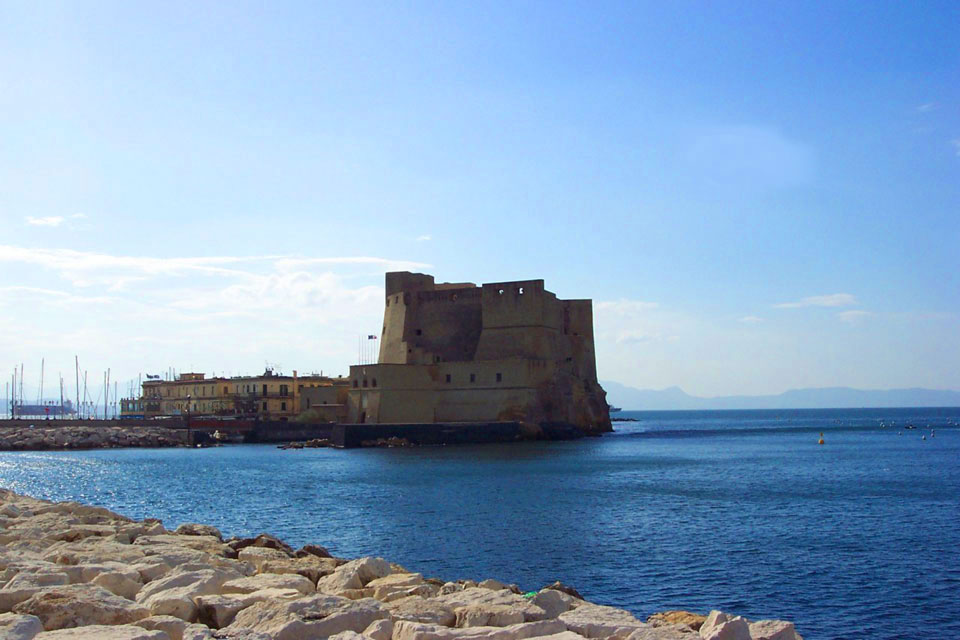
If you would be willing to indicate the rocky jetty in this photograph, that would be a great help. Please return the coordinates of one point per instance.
(41, 436)
(80, 572)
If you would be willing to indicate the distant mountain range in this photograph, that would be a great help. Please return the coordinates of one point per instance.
(670, 398)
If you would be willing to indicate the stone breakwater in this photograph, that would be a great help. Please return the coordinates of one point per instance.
(43, 436)
(81, 572)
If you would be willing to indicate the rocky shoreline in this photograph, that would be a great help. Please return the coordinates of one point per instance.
(42, 436)
(70, 571)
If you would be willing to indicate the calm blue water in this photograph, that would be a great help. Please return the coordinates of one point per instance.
(737, 510)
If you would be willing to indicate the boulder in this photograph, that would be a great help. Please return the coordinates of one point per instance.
(692, 621)
(79, 605)
(316, 616)
(570, 591)
(553, 602)
(406, 630)
(174, 593)
(205, 543)
(24, 584)
(268, 581)
(490, 583)
(119, 584)
(596, 621)
(488, 615)
(417, 609)
(713, 619)
(190, 529)
(734, 629)
(349, 635)
(311, 567)
(478, 596)
(312, 550)
(339, 582)
(380, 630)
(367, 569)
(170, 625)
(664, 632)
(104, 632)
(259, 555)
(772, 630)
(264, 541)
(19, 627)
(219, 611)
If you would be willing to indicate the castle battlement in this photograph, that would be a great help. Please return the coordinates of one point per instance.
(499, 351)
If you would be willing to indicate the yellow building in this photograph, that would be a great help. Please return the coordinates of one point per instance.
(267, 397)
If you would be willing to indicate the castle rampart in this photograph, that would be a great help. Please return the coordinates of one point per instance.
(505, 351)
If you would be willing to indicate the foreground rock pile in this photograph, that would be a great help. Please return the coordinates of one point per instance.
(42, 436)
(70, 571)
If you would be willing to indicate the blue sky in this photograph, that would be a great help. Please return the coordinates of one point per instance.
(757, 196)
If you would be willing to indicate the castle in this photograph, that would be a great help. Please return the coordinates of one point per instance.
(501, 352)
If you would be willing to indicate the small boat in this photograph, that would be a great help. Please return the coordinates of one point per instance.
(614, 409)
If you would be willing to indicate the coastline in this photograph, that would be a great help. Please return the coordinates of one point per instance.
(70, 570)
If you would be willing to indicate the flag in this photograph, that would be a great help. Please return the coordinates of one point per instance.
(371, 337)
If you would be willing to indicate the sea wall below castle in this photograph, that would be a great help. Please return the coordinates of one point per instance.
(73, 571)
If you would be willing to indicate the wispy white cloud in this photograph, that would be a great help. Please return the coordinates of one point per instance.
(928, 107)
(49, 221)
(424, 238)
(831, 300)
(854, 316)
(956, 145)
(751, 320)
(625, 307)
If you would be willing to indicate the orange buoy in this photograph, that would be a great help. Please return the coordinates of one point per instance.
(820, 441)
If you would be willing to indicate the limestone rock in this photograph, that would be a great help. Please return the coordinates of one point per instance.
(312, 550)
(315, 616)
(553, 602)
(349, 635)
(170, 625)
(488, 615)
(490, 583)
(570, 591)
(406, 630)
(596, 621)
(198, 632)
(218, 611)
(207, 544)
(734, 629)
(119, 584)
(668, 632)
(259, 555)
(692, 621)
(380, 630)
(104, 632)
(772, 630)
(19, 627)
(268, 581)
(174, 593)
(311, 567)
(24, 584)
(79, 605)
(263, 541)
(367, 569)
(338, 582)
(417, 609)
(713, 619)
(478, 596)
(190, 529)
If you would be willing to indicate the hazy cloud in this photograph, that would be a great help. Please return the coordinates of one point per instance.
(956, 145)
(424, 238)
(927, 107)
(832, 300)
(625, 307)
(751, 320)
(49, 221)
(749, 157)
(854, 316)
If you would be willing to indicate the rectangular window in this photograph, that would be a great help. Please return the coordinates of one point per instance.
(283, 406)
(499, 377)
(448, 378)
(283, 390)
(264, 391)
(473, 377)
(264, 406)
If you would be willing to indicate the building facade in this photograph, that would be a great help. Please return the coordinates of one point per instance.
(508, 351)
(266, 397)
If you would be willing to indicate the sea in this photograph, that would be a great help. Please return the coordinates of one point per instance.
(743, 511)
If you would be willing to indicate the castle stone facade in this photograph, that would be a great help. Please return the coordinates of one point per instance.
(506, 351)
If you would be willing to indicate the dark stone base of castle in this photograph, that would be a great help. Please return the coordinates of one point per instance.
(350, 436)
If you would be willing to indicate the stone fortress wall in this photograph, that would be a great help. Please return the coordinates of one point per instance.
(506, 351)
